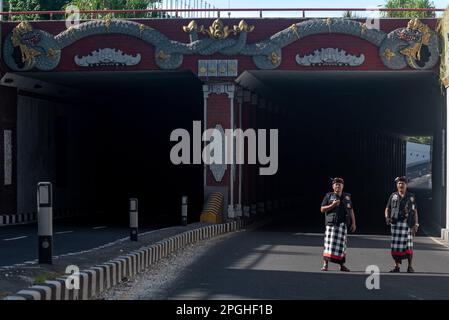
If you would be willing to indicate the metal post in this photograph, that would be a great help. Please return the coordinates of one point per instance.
(184, 210)
(45, 222)
(134, 218)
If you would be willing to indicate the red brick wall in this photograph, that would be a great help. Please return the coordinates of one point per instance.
(218, 112)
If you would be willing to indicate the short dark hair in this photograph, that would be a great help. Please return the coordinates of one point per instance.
(338, 180)
(401, 179)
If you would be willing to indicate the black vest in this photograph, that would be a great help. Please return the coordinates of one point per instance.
(407, 211)
(346, 202)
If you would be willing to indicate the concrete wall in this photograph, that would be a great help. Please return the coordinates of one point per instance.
(48, 135)
(8, 186)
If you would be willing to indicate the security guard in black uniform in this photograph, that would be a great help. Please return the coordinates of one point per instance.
(339, 215)
(401, 214)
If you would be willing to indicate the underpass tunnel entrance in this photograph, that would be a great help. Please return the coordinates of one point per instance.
(353, 125)
(104, 137)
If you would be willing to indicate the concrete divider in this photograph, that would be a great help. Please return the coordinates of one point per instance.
(101, 277)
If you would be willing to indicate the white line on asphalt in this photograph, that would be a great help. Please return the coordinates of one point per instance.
(100, 227)
(64, 232)
(17, 238)
(435, 239)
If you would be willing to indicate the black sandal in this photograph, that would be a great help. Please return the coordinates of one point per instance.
(344, 269)
(410, 270)
(395, 270)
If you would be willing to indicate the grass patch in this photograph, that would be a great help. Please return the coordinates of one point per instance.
(41, 278)
(4, 294)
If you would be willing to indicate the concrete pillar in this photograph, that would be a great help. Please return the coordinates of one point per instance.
(445, 232)
(219, 113)
(247, 123)
(253, 177)
(261, 184)
(238, 189)
(8, 151)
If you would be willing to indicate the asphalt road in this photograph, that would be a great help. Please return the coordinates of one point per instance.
(18, 244)
(273, 264)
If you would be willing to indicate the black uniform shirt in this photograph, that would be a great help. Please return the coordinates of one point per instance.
(404, 213)
(339, 211)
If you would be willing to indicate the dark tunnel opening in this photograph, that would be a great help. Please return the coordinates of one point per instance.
(353, 125)
(109, 142)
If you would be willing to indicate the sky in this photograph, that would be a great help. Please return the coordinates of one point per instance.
(303, 4)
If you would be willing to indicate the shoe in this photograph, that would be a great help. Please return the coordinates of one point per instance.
(344, 269)
(395, 270)
(325, 268)
(410, 270)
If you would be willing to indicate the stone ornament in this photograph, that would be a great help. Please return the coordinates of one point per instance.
(415, 46)
(219, 170)
(330, 57)
(107, 57)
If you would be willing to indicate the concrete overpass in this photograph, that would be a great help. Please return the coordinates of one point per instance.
(91, 108)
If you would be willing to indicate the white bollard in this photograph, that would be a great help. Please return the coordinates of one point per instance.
(134, 218)
(45, 222)
(184, 210)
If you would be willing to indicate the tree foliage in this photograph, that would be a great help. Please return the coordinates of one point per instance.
(55, 5)
(422, 140)
(116, 5)
(418, 4)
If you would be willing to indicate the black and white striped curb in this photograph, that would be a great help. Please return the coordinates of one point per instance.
(101, 277)
(23, 218)
(10, 219)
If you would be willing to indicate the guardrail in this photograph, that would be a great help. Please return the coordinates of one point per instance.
(205, 13)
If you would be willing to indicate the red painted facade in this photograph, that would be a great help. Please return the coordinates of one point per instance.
(173, 29)
(256, 113)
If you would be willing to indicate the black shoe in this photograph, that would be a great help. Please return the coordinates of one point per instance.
(395, 270)
(410, 270)
(344, 269)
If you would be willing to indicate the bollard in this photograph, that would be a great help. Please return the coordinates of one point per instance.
(134, 218)
(184, 210)
(45, 222)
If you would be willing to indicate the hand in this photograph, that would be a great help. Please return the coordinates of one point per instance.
(353, 228)
(415, 229)
(335, 203)
(388, 220)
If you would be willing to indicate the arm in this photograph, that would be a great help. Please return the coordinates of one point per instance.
(388, 216)
(416, 226)
(325, 209)
(388, 212)
(353, 227)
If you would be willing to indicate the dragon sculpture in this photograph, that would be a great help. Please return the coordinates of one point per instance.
(416, 46)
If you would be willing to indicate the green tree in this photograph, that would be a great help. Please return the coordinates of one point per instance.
(116, 5)
(418, 4)
(422, 140)
(34, 5)
(55, 5)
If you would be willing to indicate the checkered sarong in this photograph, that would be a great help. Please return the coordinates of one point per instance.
(335, 242)
(401, 241)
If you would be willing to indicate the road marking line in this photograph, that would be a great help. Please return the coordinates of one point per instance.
(64, 232)
(17, 238)
(100, 227)
(435, 239)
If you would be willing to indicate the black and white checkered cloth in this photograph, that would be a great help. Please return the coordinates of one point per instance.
(335, 243)
(401, 240)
